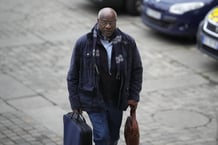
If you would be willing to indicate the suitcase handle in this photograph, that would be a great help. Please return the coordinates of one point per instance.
(77, 116)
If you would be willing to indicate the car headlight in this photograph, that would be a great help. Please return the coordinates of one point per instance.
(213, 15)
(181, 8)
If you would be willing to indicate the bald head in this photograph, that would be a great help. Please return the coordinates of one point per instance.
(107, 12)
(107, 18)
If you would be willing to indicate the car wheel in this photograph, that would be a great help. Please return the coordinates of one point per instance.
(134, 6)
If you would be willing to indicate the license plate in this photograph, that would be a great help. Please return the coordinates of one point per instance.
(152, 13)
(210, 42)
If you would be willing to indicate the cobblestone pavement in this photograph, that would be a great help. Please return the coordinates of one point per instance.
(20, 129)
(179, 99)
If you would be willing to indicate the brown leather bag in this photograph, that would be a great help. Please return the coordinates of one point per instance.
(131, 130)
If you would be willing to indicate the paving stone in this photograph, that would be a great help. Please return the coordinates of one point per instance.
(23, 103)
(5, 107)
(50, 119)
(181, 118)
(18, 88)
(172, 82)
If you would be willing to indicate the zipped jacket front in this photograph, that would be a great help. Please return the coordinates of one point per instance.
(83, 74)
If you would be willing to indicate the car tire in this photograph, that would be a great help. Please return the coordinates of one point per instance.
(133, 7)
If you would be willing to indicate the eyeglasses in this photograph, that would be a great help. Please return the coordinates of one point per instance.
(105, 23)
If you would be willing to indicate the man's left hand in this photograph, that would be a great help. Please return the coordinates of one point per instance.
(132, 103)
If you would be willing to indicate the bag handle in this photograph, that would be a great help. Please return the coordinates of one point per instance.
(133, 112)
(77, 116)
(133, 116)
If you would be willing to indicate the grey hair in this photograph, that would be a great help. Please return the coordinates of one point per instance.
(100, 13)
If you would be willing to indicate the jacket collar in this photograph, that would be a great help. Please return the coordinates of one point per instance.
(100, 36)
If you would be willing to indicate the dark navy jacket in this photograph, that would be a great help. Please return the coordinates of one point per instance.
(83, 77)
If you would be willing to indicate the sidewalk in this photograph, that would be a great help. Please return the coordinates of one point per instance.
(179, 96)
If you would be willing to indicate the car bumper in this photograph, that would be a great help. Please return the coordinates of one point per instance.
(211, 46)
(171, 24)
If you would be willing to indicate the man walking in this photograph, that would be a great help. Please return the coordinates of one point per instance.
(105, 76)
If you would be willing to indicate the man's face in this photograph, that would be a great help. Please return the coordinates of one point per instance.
(107, 25)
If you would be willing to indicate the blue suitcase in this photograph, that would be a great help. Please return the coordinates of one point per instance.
(76, 130)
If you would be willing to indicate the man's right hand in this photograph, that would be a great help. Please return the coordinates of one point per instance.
(77, 111)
